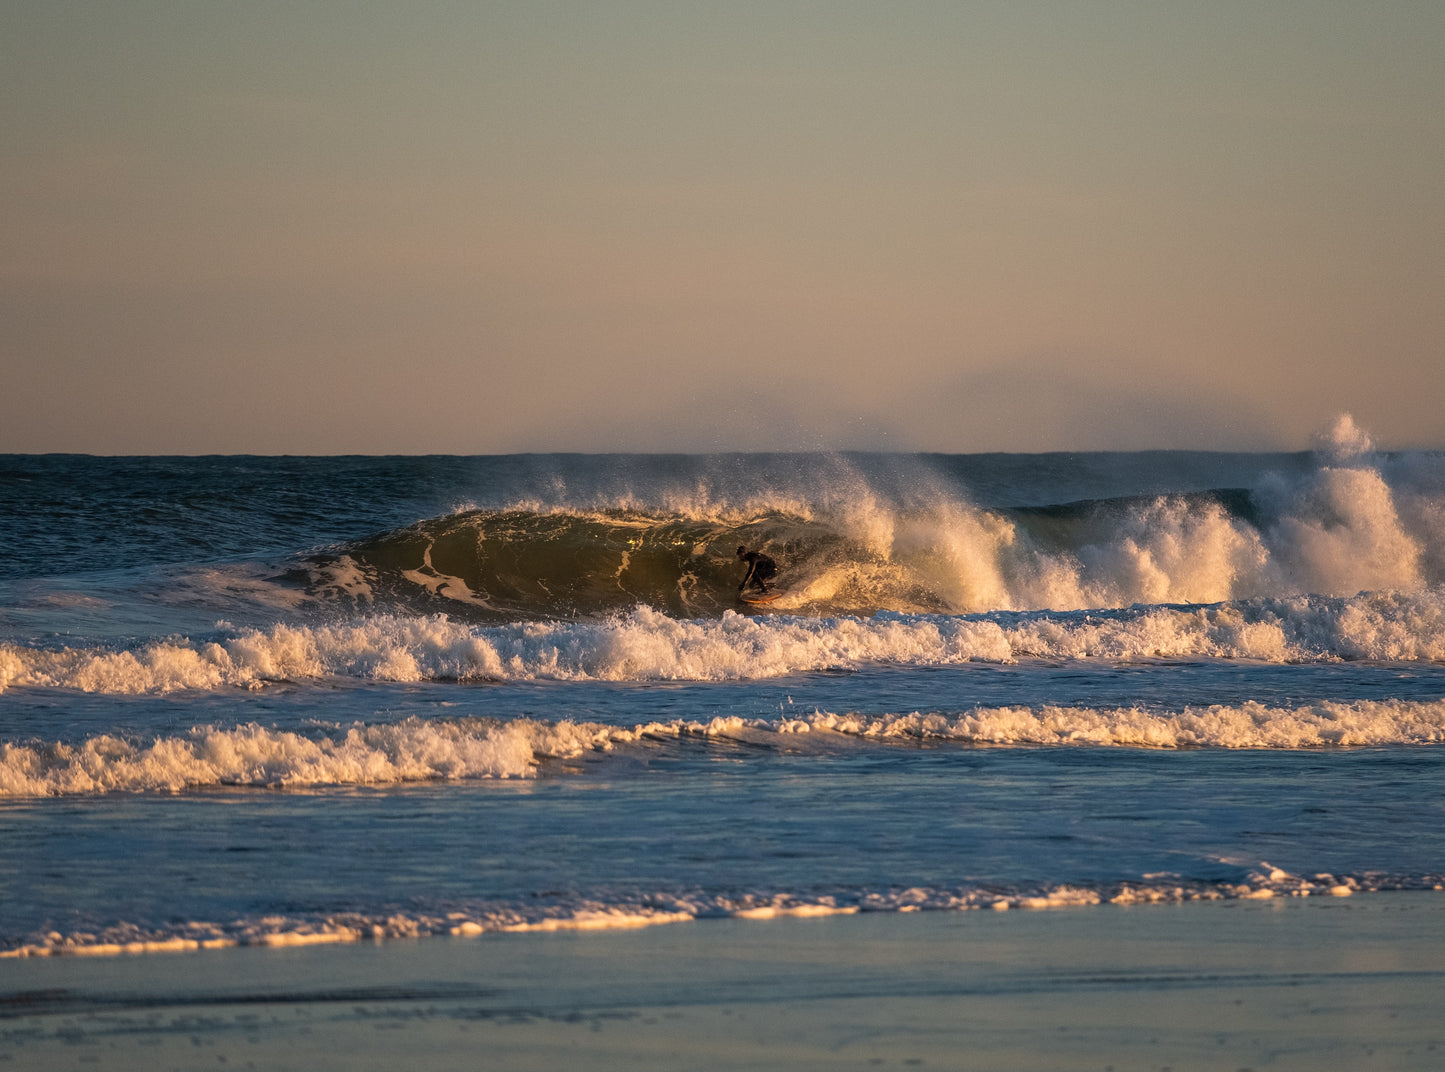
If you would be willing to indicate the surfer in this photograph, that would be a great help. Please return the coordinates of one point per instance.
(761, 569)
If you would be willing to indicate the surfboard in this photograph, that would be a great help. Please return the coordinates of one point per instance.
(758, 598)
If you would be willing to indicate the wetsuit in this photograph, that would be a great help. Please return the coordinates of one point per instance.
(761, 570)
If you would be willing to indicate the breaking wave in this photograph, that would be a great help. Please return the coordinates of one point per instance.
(417, 750)
(252, 755)
(1357, 521)
(646, 645)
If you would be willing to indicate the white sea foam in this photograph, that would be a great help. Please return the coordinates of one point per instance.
(253, 755)
(455, 750)
(1250, 725)
(1342, 530)
(1357, 522)
(581, 913)
(645, 645)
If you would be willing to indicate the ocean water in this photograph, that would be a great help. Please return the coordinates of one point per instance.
(290, 700)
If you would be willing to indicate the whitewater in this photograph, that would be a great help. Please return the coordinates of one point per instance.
(291, 700)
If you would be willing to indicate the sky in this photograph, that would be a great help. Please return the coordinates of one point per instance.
(473, 227)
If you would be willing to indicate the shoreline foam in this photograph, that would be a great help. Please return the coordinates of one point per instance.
(1262, 884)
(1294, 985)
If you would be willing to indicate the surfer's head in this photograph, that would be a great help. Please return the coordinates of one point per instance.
(742, 550)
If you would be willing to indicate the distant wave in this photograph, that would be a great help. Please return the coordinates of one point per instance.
(645, 645)
(416, 750)
(1261, 881)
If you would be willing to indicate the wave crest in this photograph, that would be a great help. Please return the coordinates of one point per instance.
(253, 755)
(416, 750)
(646, 645)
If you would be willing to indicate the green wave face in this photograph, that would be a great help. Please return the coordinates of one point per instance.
(522, 563)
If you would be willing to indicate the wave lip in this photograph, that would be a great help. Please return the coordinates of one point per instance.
(1262, 882)
(415, 750)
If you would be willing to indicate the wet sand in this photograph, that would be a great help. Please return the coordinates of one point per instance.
(1353, 983)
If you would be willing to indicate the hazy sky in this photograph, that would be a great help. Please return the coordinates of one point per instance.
(475, 228)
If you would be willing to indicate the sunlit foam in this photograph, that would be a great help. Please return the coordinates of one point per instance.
(571, 913)
(416, 750)
(645, 645)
